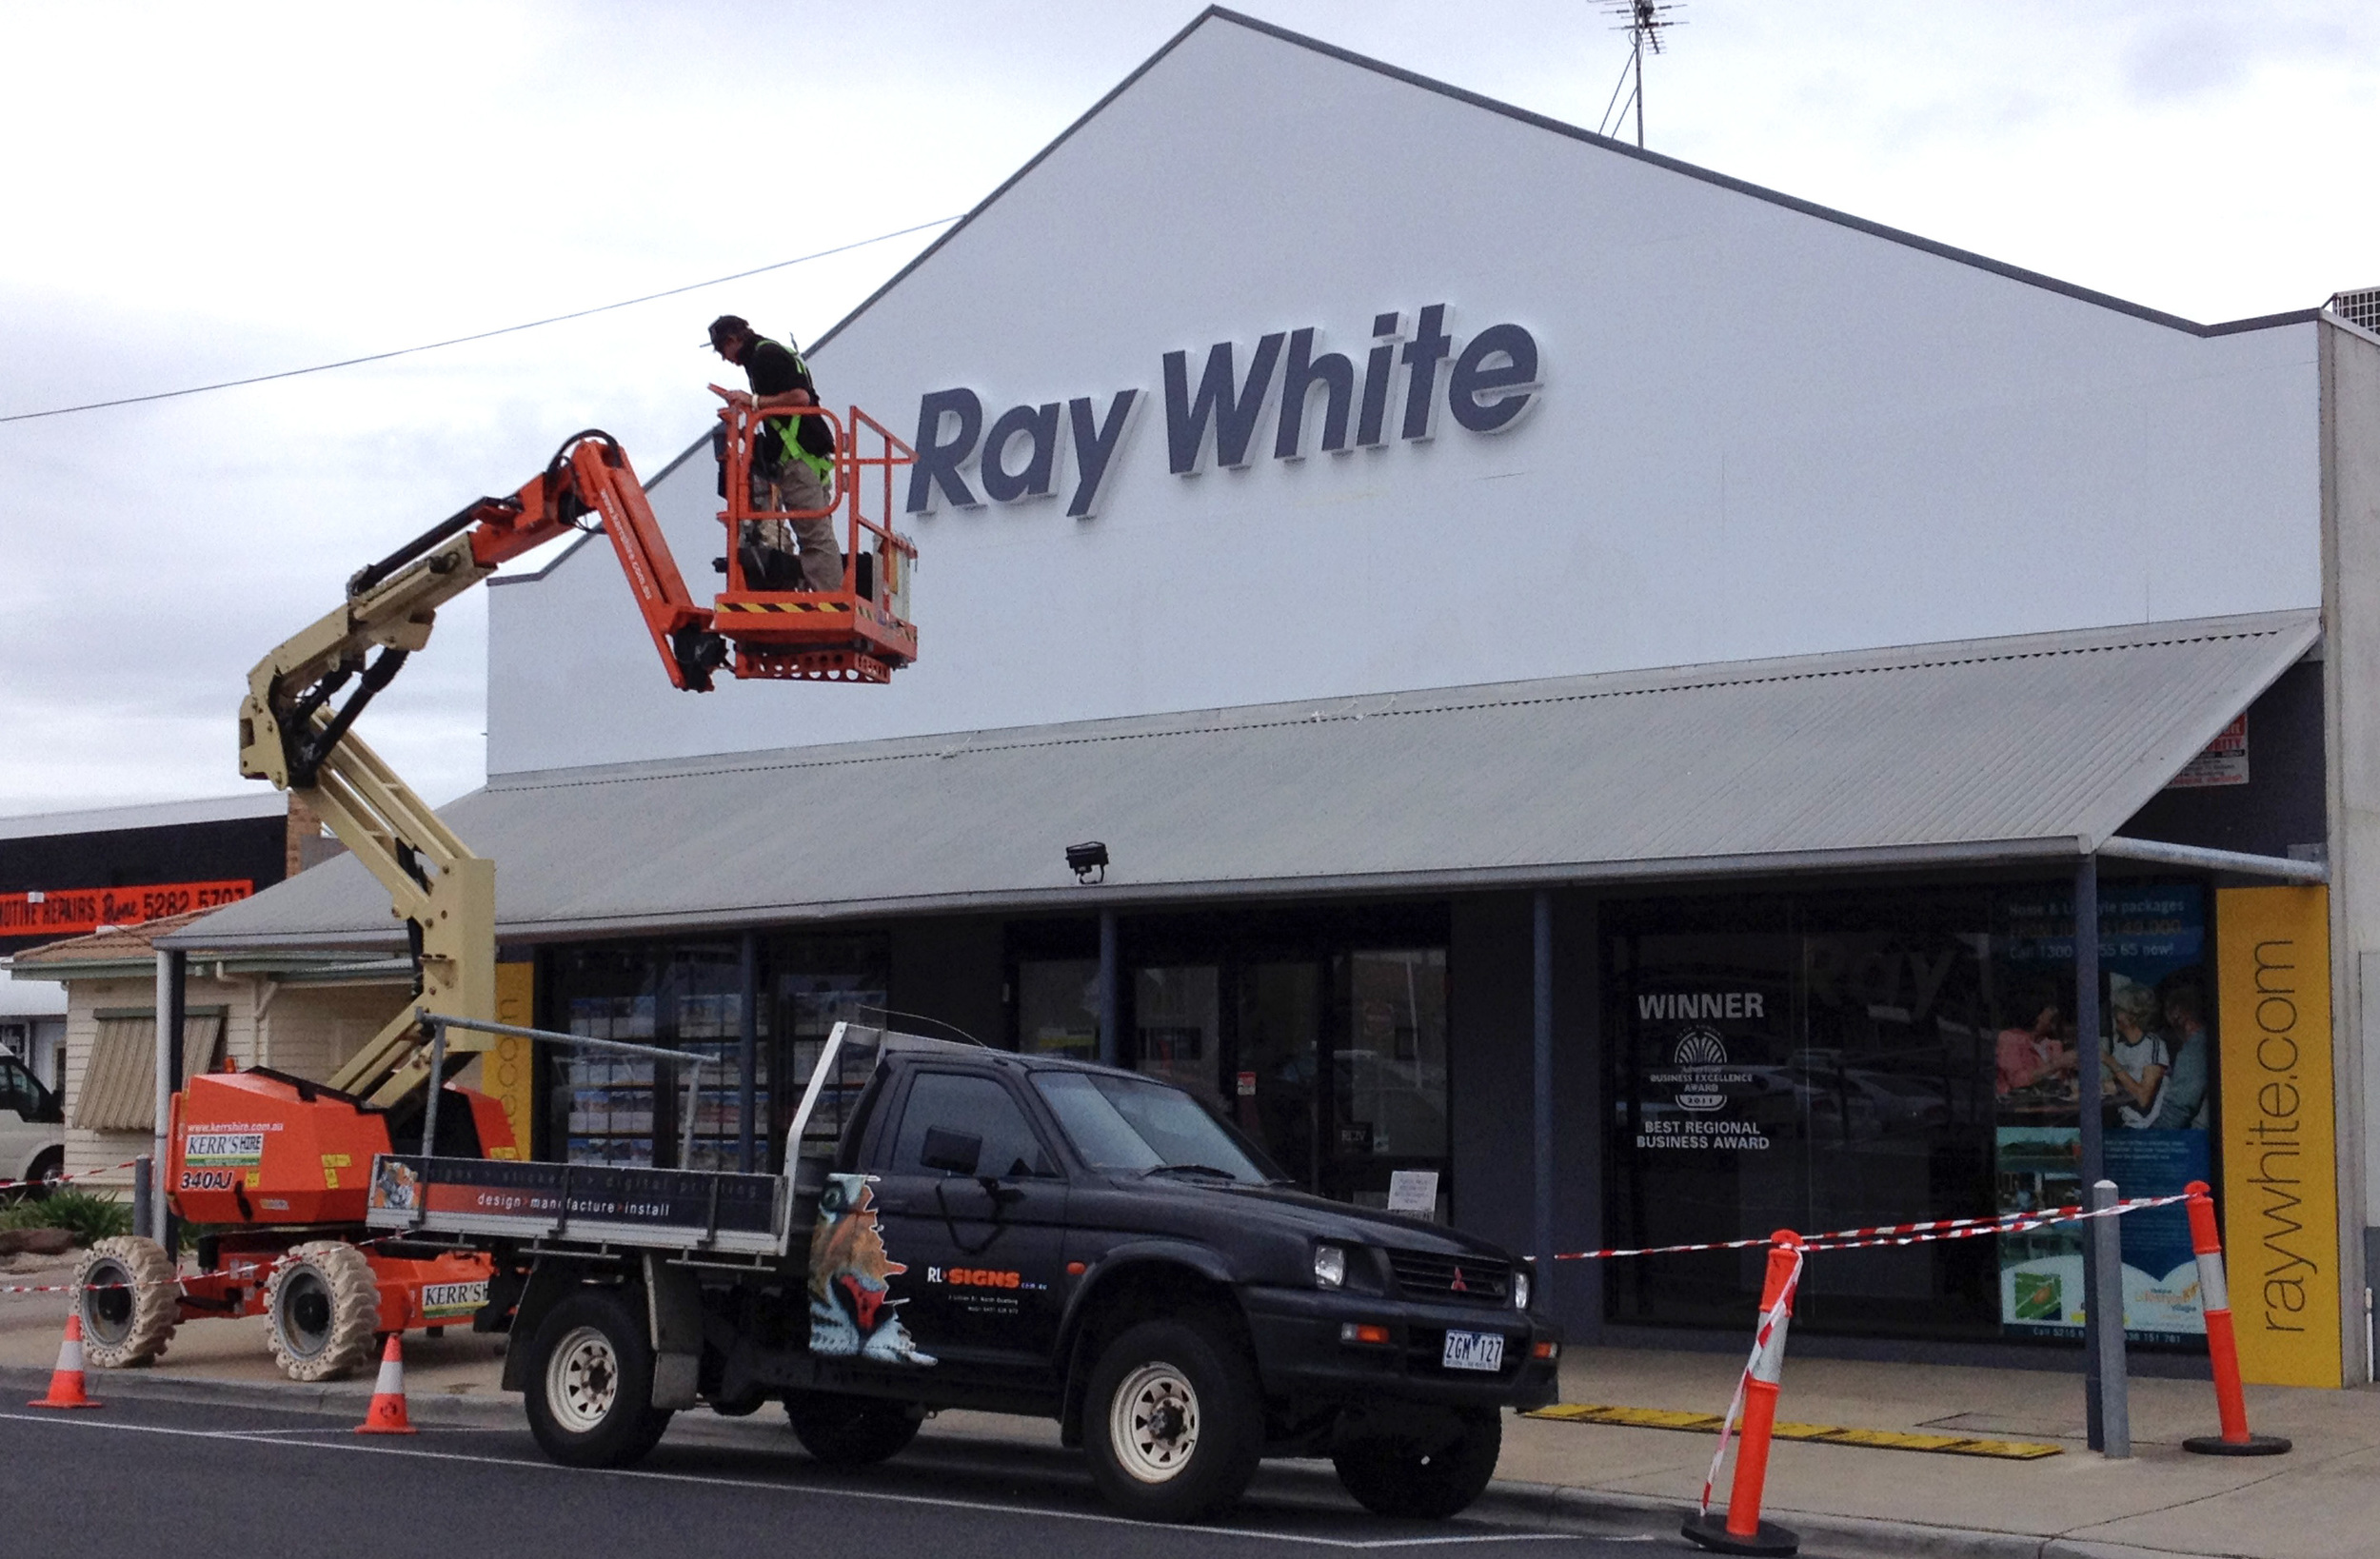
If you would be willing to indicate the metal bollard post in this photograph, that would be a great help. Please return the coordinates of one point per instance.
(2214, 1300)
(2111, 1384)
(145, 1198)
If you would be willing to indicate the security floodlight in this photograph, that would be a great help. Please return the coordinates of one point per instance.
(1082, 860)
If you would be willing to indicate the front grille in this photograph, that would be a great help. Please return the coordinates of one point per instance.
(1478, 1280)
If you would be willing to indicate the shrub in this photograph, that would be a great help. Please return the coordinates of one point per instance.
(89, 1217)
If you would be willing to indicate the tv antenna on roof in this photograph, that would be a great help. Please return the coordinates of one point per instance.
(1644, 21)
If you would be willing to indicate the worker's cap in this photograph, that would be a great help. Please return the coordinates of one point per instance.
(729, 327)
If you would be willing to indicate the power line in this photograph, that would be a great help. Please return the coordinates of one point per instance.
(483, 335)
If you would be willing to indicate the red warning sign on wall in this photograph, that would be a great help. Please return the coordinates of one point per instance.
(77, 912)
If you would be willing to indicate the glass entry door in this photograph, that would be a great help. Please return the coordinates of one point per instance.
(1276, 1074)
(1336, 1066)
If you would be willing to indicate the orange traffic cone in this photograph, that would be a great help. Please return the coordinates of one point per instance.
(65, 1381)
(387, 1410)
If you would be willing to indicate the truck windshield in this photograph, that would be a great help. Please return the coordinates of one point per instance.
(1145, 1127)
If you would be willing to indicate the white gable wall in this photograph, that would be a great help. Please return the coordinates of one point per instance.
(1760, 432)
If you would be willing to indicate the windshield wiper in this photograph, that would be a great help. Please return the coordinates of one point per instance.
(1188, 1169)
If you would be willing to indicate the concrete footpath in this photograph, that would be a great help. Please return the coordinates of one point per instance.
(2320, 1502)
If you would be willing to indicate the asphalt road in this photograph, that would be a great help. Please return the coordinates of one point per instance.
(147, 1479)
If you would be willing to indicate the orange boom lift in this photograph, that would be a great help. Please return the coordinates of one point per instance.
(278, 1163)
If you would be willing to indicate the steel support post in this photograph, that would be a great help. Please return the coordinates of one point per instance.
(1111, 1040)
(2089, 1082)
(1542, 1093)
(747, 1054)
(173, 971)
(2109, 1377)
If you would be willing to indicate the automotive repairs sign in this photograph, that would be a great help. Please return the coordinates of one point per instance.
(78, 912)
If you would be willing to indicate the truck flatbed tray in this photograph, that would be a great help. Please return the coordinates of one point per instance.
(672, 1209)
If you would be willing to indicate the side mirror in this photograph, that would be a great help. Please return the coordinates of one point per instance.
(953, 1153)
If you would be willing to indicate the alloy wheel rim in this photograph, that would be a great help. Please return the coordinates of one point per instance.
(583, 1382)
(1153, 1423)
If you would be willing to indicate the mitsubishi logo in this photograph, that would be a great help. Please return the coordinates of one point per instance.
(1459, 1286)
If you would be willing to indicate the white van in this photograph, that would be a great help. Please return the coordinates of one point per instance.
(33, 1129)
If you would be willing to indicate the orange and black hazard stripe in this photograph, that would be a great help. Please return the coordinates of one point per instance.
(783, 606)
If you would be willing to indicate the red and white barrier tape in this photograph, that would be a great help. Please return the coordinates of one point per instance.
(1900, 1234)
(67, 1179)
(1769, 1320)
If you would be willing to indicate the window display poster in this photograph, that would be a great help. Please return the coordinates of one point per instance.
(2156, 1066)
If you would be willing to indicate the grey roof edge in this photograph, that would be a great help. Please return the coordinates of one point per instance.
(2298, 623)
(2118, 803)
(1154, 895)
(1137, 896)
(248, 805)
(1740, 187)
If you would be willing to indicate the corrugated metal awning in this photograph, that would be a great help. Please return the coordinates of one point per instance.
(1990, 750)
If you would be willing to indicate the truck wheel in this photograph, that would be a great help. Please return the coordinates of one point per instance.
(324, 1304)
(1173, 1422)
(590, 1388)
(1404, 1477)
(46, 1175)
(849, 1430)
(130, 1306)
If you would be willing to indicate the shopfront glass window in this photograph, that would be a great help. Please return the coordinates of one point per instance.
(1177, 1026)
(2157, 1059)
(1391, 1070)
(1058, 1007)
(814, 983)
(1847, 1060)
(688, 996)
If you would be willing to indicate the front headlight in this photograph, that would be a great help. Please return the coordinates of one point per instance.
(1330, 1266)
(1520, 1291)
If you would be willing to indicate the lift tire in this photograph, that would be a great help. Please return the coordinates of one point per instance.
(1173, 1422)
(1424, 1480)
(324, 1301)
(590, 1383)
(841, 1431)
(130, 1305)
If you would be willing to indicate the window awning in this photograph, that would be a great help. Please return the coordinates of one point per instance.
(1986, 751)
(118, 1090)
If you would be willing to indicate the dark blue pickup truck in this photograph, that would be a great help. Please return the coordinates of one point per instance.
(960, 1227)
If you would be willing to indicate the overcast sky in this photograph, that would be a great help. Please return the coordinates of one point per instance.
(197, 193)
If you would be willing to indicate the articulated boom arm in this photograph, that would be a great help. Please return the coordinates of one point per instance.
(291, 734)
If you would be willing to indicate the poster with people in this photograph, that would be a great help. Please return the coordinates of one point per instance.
(2155, 1100)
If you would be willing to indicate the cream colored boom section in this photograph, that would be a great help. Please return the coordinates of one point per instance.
(377, 815)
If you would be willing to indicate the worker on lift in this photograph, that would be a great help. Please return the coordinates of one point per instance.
(793, 462)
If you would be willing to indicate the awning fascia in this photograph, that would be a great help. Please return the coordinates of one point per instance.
(1116, 895)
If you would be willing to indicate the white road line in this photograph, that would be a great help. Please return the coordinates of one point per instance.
(271, 1437)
